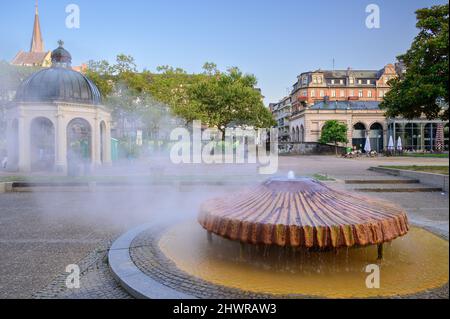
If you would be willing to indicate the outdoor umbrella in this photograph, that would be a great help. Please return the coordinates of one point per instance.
(399, 144)
(439, 137)
(367, 146)
(390, 146)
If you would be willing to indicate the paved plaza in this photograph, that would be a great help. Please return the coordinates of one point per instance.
(43, 232)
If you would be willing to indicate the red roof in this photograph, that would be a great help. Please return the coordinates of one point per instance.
(30, 58)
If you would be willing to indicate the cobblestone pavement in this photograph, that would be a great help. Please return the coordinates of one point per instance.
(41, 233)
(96, 281)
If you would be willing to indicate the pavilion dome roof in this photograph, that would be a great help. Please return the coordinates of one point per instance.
(59, 83)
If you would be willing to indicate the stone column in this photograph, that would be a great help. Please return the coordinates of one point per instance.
(385, 136)
(24, 164)
(12, 144)
(349, 133)
(61, 144)
(96, 143)
(107, 148)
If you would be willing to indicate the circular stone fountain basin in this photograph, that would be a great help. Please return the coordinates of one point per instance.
(303, 212)
(412, 264)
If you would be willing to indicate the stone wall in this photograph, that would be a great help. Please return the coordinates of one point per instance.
(308, 148)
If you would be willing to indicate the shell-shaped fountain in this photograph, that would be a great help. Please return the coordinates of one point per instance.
(302, 212)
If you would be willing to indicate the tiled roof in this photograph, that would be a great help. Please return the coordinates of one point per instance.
(355, 73)
(29, 58)
(346, 105)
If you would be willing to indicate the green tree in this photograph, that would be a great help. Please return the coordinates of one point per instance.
(171, 87)
(11, 77)
(230, 98)
(101, 73)
(334, 132)
(425, 82)
(217, 99)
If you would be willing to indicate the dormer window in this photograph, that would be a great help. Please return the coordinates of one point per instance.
(368, 81)
(351, 80)
(305, 80)
(332, 81)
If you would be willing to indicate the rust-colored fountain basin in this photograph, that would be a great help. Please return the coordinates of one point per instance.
(303, 212)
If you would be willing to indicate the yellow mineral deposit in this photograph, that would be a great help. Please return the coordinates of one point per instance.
(413, 263)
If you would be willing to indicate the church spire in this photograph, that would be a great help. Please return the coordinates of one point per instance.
(37, 43)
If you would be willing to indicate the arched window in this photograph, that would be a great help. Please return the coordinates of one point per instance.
(359, 135)
(42, 144)
(376, 136)
(302, 134)
(79, 141)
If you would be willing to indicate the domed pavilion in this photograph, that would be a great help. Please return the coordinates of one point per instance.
(57, 121)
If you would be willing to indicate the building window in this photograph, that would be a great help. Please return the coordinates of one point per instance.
(332, 81)
(351, 80)
(369, 93)
(380, 93)
(359, 81)
(305, 80)
(350, 93)
(322, 93)
(319, 79)
(341, 81)
(333, 93)
(313, 93)
(314, 79)
(304, 93)
(368, 81)
(342, 93)
(360, 93)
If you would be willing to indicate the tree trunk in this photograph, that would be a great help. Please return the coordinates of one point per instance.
(335, 148)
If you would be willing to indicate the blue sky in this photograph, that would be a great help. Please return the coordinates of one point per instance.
(273, 39)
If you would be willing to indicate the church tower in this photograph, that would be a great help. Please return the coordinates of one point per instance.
(37, 56)
(37, 43)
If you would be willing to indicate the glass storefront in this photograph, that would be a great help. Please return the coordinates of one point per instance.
(417, 135)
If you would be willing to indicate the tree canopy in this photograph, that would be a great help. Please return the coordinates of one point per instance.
(218, 99)
(423, 89)
(229, 98)
(333, 132)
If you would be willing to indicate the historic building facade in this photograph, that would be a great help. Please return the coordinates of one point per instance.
(282, 112)
(361, 118)
(57, 121)
(353, 97)
(341, 85)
